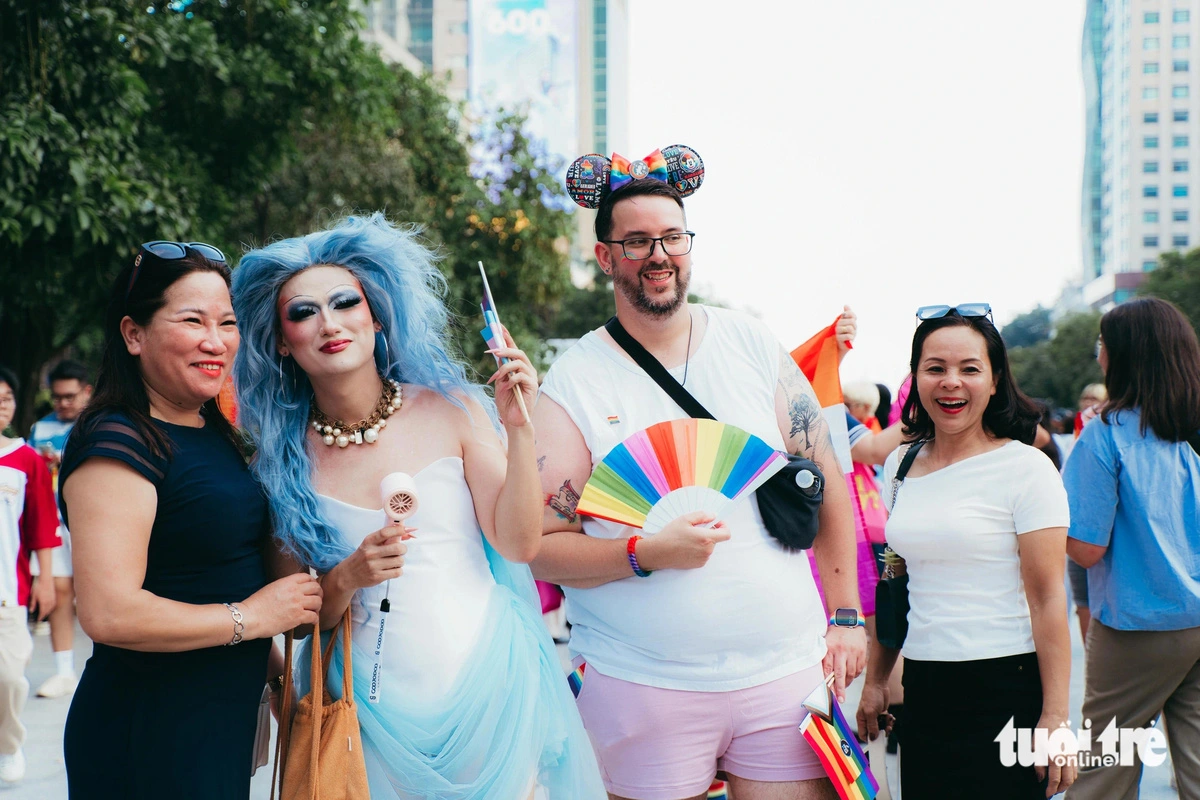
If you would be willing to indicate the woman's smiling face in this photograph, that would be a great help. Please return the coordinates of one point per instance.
(954, 378)
(325, 322)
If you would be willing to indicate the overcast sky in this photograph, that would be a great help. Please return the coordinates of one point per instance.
(886, 154)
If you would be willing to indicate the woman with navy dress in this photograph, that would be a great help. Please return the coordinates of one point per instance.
(172, 542)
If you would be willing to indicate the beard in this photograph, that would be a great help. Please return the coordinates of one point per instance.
(655, 305)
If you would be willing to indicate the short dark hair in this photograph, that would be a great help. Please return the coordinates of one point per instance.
(1009, 413)
(10, 377)
(68, 370)
(119, 385)
(1153, 366)
(646, 187)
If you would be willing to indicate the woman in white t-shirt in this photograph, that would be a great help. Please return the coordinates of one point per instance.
(981, 522)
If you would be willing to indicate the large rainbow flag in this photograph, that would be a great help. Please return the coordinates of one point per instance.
(832, 739)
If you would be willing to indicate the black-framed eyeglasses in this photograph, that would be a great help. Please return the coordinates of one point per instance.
(639, 248)
(1099, 345)
(170, 251)
(962, 309)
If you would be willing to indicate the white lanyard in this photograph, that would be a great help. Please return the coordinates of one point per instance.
(377, 665)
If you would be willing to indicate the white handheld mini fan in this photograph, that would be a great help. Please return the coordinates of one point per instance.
(399, 493)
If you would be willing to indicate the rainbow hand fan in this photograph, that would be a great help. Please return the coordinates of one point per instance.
(677, 467)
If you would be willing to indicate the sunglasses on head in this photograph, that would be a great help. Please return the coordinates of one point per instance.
(171, 251)
(962, 309)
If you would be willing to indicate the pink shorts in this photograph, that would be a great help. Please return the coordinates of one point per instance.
(664, 744)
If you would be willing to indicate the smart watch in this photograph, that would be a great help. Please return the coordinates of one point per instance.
(847, 618)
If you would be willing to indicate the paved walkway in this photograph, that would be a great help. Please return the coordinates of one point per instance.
(46, 776)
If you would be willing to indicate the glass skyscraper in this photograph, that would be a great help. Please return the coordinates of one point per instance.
(1139, 189)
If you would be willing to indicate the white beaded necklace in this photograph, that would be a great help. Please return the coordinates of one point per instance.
(365, 431)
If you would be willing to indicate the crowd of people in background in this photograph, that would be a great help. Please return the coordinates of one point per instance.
(193, 542)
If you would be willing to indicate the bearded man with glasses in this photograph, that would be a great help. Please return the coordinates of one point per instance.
(694, 648)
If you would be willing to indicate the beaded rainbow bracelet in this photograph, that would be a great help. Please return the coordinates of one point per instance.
(631, 551)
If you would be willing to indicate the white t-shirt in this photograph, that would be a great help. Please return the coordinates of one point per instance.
(957, 530)
(749, 616)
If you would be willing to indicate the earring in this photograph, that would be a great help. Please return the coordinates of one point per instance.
(387, 353)
(281, 359)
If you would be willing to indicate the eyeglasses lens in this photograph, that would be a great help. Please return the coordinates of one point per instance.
(168, 251)
(932, 312)
(208, 251)
(973, 309)
(675, 244)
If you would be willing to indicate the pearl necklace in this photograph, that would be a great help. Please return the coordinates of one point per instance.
(334, 431)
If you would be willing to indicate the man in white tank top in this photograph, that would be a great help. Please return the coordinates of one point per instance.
(694, 647)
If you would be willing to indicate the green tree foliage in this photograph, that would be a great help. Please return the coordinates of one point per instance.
(583, 309)
(1058, 368)
(1028, 329)
(511, 220)
(236, 123)
(80, 177)
(1177, 279)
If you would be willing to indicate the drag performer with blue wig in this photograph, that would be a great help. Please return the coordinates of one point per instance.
(344, 377)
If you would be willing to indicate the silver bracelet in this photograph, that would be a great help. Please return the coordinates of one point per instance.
(238, 627)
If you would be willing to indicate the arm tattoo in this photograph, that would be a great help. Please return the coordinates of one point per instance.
(565, 502)
(804, 412)
(804, 415)
(541, 463)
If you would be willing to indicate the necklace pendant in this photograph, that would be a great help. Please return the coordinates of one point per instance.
(358, 437)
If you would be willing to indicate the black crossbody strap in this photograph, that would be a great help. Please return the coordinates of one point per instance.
(690, 405)
(909, 457)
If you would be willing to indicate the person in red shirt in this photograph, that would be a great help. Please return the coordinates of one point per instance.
(28, 524)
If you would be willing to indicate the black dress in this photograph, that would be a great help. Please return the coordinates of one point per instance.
(176, 725)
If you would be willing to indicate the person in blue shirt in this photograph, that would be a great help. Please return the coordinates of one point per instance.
(70, 391)
(1133, 480)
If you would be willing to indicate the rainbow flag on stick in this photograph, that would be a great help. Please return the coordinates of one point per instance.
(493, 334)
(832, 738)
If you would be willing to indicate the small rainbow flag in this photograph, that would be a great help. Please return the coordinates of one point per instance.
(575, 679)
(493, 334)
(718, 791)
(833, 740)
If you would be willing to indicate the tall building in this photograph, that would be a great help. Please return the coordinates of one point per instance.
(1142, 150)
(563, 62)
(422, 35)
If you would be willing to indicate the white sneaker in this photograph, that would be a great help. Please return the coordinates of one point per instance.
(57, 686)
(12, 767)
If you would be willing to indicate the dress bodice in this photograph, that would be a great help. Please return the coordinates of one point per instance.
(439, 603)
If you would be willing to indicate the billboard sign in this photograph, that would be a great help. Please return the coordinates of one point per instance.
(524, 58)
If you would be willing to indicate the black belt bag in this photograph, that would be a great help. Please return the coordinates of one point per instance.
(790, 501)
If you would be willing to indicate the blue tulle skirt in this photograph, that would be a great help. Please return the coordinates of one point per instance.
(509, 721)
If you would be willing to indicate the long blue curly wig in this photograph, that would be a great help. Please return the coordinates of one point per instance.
(404, 290)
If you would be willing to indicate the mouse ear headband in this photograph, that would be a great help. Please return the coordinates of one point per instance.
(590, 178)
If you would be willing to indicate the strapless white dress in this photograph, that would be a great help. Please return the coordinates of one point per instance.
(473, 702)
(439, 603)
